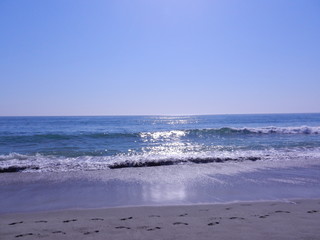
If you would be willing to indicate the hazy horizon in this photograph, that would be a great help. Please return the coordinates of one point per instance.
(165, 115)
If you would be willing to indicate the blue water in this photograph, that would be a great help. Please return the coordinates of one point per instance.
(87, 162)
(93, 143)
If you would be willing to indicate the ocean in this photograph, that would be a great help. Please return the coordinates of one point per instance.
(50, 163)
(41, 144)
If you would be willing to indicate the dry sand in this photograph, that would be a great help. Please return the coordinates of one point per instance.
(298, 219)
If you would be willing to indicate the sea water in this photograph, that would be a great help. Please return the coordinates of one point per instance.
(94, 143)
(87, 162)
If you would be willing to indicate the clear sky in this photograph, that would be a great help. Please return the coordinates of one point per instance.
(132, 57)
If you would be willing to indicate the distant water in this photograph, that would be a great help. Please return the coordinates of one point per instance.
(42, 144)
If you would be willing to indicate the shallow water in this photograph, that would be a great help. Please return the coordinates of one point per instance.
(164, 185)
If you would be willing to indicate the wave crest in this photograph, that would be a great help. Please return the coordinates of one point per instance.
(29, 163)
(163, 135)
(259, 130)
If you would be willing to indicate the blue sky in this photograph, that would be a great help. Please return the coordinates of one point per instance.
(133, 57)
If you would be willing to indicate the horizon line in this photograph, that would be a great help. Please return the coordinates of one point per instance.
(138, 115)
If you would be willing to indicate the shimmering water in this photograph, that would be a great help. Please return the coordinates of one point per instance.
(44, 144)
(88, 162)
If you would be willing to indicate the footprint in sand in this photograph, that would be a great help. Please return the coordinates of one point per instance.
(154, 216)
(59, 232)
(41, 221)
(229, 208)
(87, 233)
(213, 223)
(14, 223)
(152, 229)
(124, 219)
(312, 211)
(70, 220)
(97, 219)
(280, 211)
(182, 215)
(240, 218)
(180, 223)
(122, 227)
(23, 235)
(264, 216)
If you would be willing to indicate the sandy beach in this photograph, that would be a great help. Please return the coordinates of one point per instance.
(296, 219)
(159, 120)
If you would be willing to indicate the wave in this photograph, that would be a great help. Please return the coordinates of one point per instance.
(36, 138)
(199, 160)
(258, 130)
(73, 164)
(40, 163)
(171, 133)
(12, 169)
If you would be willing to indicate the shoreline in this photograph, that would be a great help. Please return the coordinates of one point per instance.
(294, 219)
(174, 185)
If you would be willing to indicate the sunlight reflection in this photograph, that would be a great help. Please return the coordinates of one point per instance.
(165, 136)
(164, 192)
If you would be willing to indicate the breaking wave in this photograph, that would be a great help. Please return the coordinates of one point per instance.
(170, 134)
(14, 162)
(259, 130)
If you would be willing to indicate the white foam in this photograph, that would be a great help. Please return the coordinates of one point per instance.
(284, 130)
(55, 163)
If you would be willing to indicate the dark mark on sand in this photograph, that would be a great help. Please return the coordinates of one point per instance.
(122, 227)
(59, 232)
(180, 223)
(97, 219)
(86, 233)
(14, 223)
(23, 235)
(213, 223)
(71, 220)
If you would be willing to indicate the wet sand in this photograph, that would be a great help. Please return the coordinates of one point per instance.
(296, 219)
(164, 186)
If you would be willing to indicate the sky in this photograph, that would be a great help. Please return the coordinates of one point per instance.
(149, 57)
